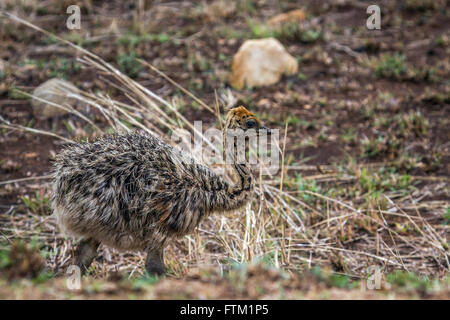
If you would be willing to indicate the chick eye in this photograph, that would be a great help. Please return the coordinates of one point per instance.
(250, 124)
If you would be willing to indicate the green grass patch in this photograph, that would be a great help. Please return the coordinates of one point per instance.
(286, 32)
(145, 281)
(409, 281)
(20, 259)
(38, 204)
(334, 280)
(129, 64)
(390, 66)
(385, 179)
(446, 215)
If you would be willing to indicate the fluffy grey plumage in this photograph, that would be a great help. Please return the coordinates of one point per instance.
(134, 192)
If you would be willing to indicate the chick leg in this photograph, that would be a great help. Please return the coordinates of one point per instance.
(86, 253)
(155, 262)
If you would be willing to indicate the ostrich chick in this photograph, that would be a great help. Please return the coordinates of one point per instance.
(134, 192)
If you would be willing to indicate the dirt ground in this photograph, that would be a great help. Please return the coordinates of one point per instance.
(368, 120)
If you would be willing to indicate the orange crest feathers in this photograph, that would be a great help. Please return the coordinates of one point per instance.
(237, 117)
(240, 112)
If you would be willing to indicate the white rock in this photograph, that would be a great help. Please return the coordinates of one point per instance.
(261, 62)
(54, 92)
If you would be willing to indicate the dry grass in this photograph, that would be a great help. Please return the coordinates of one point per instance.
(291, 229)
